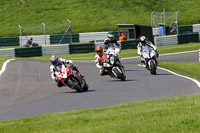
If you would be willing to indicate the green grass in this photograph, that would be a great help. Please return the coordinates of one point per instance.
(7, 47)
(179, 48)
(191, 69)
(173, 115)
(2, 60)
(87, 16)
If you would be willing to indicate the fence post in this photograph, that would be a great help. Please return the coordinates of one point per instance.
(70, 28)
(44, 33)
(20, 35)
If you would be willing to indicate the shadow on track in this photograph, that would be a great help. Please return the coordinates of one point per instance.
(71, 91)
(118, 80)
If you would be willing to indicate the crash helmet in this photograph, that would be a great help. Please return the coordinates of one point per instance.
(31, 38)
(143, 40)
(99, 50)
(54, 59)
(110, 37)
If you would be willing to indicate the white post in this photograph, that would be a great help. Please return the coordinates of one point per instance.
(20, 35)
(44, 33)
(152, 19)
(70, 28)
(177, 21)
(164, 22)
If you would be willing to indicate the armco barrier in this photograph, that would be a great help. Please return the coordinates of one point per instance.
(166, 40)
(28, 52)
(55, 39)
(196, 27)
(91, 36)
(130, 44)
(82, 48)
(9, 41)
(55, 49)
(7, 52)
(185, 29)
(40, 39)
(190, 37)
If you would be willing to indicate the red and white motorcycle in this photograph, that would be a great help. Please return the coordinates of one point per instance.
(72, 79)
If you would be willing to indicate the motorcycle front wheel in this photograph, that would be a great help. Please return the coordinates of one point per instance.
(153, 68)
(85, 88)
(119, 74)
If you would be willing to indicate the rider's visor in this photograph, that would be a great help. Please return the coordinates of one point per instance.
(99, 52)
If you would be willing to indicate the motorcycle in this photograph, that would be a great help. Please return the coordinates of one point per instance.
(112, 64)
(72, 79)
(150, 56)
(30, 43)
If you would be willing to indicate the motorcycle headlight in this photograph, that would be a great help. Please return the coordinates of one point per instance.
(152, 54)
(112, 59)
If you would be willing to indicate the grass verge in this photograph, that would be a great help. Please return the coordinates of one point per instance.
(2, 60)
(180, 114)
(190, 69)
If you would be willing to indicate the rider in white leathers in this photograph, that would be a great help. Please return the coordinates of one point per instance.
(143, 43)
(57, 66)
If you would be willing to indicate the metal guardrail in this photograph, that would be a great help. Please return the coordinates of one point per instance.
(7, 52)
(199, 55)
(91, 36)
(196, 27)
(166, 40)
(55, 49)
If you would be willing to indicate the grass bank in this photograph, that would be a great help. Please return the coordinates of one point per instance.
(174, 115)
(88, 16)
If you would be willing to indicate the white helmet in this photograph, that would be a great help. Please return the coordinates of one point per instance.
(143, 40)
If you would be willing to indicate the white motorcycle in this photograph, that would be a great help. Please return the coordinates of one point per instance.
(150, 56)
(112, 64)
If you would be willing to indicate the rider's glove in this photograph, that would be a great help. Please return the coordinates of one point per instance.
(56, 79)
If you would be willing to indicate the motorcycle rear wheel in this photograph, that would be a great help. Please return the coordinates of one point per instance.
(74, 84)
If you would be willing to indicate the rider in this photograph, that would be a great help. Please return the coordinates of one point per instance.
(98, 60)
(110, 41)
(144, 42)
(57, 66)
(29, 42)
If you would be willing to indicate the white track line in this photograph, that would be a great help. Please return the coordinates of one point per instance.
(4, 66)
(194, 80)
(164, 54)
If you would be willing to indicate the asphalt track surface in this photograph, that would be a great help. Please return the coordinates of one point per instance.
(26, 88)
